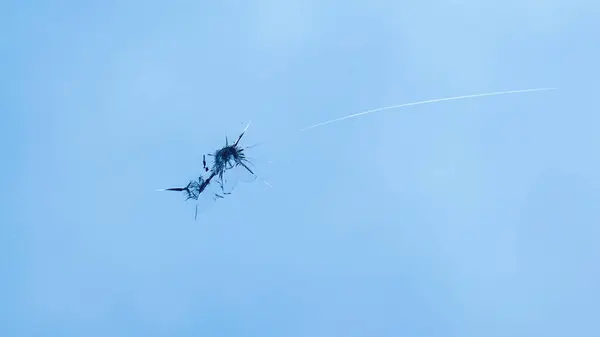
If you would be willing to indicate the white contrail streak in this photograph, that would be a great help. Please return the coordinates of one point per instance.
(424, 102)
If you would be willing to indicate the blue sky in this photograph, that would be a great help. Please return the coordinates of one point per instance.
(465, 218)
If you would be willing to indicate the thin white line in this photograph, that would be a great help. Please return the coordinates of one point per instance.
(424, 102)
